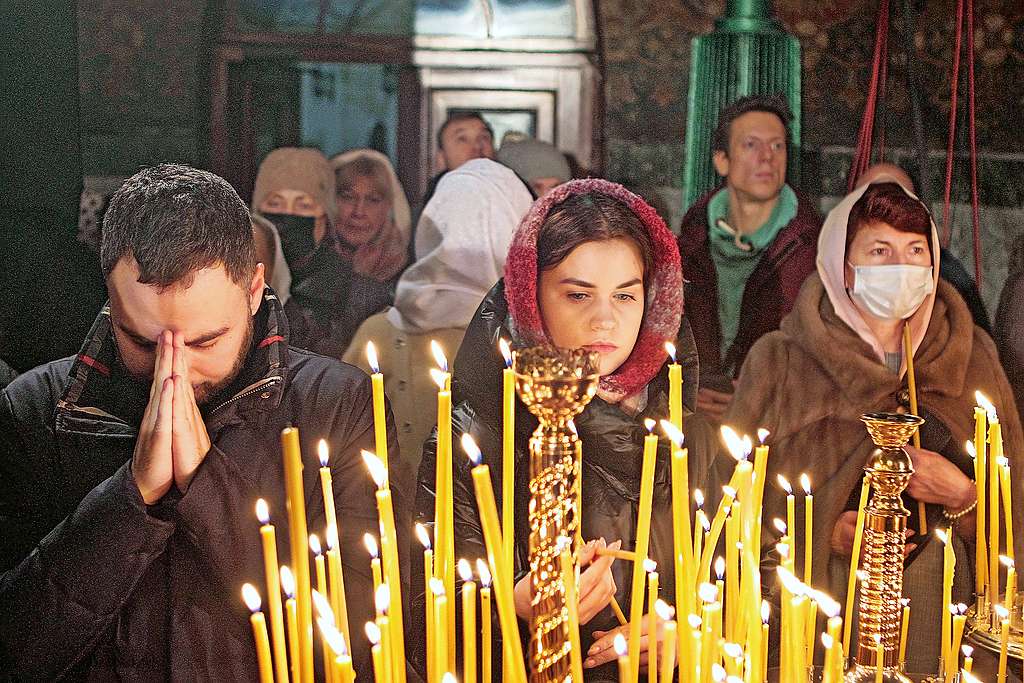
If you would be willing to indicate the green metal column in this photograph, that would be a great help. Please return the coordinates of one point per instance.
(747, 53)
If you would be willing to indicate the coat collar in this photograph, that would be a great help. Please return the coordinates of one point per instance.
(99, 386)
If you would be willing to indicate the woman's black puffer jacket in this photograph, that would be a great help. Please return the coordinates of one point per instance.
(612, 455)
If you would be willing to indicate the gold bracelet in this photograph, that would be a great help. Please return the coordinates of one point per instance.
(952, 517)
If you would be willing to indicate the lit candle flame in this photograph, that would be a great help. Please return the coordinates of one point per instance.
(862, 575)
(830, 607)
(967, 650)
(465, 571)
(437, 587)
(251, 596)
(423, 536)
(986, 405)
(704, 521)
(506, 352)
(766, 611)
(371, 545)
(729, 492)
(472, 450)
(334, 638)
(287, 581)
(449, 677)
(878, 639)
(670, 349)
(378, 472)
(733, 442)
(968, 677)
(322, 606)
(805, 484)
(971, 450)
(484, 572)
(707, 592)
(1001, 612)
(440, 378)
(372, 633)
(439, 357)
(961, 608)
(698, 497)
(371, 357)
(650, 566)
(694, 621)
(262, 511)
(826, 641)
(314, 544)
(649, 423)
(720, 566)
(941, 535)
(572, 426)
(905, 601)
(323, 453)
(619, 642)
(1006, 561)
(718, 673)
(784, 483)
(779, 525)
(783, 550)
(382, 598)
(732, 650)
(663, 610)
(332, 536)
(673, 434)
(762, 434)
(790, 582)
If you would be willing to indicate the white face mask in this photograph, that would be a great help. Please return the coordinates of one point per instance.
(891, 292)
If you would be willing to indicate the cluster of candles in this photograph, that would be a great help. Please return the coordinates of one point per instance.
(719, 614)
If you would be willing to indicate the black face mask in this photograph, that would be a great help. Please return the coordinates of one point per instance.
(296, 234)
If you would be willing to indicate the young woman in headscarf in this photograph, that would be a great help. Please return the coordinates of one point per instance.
(591, 266)
(840, 354)
(461, 245)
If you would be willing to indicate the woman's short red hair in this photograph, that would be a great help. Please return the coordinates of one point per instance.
(890, 204)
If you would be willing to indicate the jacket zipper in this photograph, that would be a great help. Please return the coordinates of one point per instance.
(253, 389)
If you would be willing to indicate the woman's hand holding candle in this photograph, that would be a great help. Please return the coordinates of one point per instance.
(597, 585)
(603, 651)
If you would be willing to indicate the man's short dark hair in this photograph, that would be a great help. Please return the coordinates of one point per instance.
(772, 104)
(456, 116)
(175, 220)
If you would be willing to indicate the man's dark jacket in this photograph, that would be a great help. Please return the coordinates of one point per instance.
(95, 585)
(769, 295)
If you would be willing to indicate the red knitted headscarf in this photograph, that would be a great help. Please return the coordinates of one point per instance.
(664, 296)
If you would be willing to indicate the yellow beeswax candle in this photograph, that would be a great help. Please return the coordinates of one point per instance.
(468, 622)
(666, 662)
(336, 582)
(428, 574)
(953, 659)
(444, 531)
(292, 622)
(948, 569)
(765, 615)
(380, 425)
(1011, 582)
(440, 654)
(389, 557)
(320, 575)
(904, 625)
(682, 545)
(508, 452)
(485, 621)
(652, 621)
(259, 633)
(268, 538)
(622, 653)
(968, 658)
(643, 537)
(502, 574)
(1006, 489)
(675, 388)
(326, 483)
(805, 484)
(851, 585)
(1004, 639)
(572, 607)
(790, 513)
(732, 569)
(382, 603)
(298, 535)
(908, 352)
(879, 658)
(375, 569)
(978, 451)
(373, 635)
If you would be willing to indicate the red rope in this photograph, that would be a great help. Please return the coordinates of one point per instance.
(972, 133)
(879, 68)
(953, 78)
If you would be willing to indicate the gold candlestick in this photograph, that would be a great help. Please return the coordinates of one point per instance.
(885, 524)
(554, 385)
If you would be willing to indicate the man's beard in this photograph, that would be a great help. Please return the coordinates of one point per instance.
(207, 390)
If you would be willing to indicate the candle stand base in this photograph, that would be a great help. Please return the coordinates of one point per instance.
(868, 674)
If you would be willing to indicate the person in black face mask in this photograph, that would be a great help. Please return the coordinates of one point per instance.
(294, 190)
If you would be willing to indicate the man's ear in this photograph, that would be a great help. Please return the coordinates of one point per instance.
(256, 289)
(720, 160)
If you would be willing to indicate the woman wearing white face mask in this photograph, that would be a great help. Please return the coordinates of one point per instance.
(840, 354)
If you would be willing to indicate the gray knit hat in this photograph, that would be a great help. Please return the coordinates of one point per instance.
(533, 159)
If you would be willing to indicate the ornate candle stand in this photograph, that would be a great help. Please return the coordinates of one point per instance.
(555, 386)
(885, 524)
